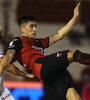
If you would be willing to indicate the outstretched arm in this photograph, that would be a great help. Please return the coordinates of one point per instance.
(64, 31)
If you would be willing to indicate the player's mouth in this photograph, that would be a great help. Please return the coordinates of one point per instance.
(34, 33)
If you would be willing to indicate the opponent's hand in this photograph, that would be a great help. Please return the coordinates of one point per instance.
(76, 10)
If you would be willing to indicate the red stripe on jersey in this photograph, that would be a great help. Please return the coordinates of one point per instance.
(30, 52)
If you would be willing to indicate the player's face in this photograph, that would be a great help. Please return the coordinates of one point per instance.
(30, 29)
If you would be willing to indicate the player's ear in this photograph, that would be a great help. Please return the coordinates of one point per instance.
(22, 29)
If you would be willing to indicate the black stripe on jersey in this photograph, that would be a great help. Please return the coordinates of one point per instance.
(38, 43)
(16, 44)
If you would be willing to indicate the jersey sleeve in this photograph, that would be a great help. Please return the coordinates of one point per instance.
(15, 44)
(45, 42)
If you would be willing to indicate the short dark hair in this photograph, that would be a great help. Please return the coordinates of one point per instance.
(25, 19)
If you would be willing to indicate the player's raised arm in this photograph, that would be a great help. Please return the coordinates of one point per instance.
(63, 31)
(6, 60)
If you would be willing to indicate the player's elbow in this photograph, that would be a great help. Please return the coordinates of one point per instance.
(10, 53)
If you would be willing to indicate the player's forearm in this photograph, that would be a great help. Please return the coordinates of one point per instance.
(66, 29)
(6, 60)
(63, 31)
(13, 69)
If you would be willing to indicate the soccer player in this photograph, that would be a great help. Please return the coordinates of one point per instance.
(51, 69)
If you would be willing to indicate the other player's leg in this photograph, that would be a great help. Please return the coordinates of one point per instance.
(6, 95)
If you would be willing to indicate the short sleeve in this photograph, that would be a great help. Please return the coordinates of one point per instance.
(15, 44)
(45, 42)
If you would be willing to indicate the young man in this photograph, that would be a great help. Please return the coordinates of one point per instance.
(51, 69)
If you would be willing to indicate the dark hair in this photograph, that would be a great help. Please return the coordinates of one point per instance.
(25, 19)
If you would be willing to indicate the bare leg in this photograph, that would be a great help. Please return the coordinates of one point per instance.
(72, 94)
(70, 56)
(78, 56)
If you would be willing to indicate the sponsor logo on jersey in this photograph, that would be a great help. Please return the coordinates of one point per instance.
(38, 48)
(12, 43)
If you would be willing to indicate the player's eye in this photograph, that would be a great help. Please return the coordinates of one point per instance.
(33, 25)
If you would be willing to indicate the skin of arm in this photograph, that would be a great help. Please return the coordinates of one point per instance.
(6, 60)
(64, 31)
(13, 69)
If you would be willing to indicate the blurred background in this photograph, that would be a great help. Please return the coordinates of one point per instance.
(51, 15)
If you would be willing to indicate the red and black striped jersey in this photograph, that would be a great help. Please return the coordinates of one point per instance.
(28, 50)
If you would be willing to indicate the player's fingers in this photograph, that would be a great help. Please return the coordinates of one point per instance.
(30, 75)
(78, 4)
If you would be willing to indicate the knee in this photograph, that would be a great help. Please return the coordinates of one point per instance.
(70, 55)
(72, 94)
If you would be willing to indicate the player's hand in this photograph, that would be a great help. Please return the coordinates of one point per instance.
(30, 76)
(76, 10)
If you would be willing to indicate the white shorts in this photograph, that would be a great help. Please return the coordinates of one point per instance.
(6, 95)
